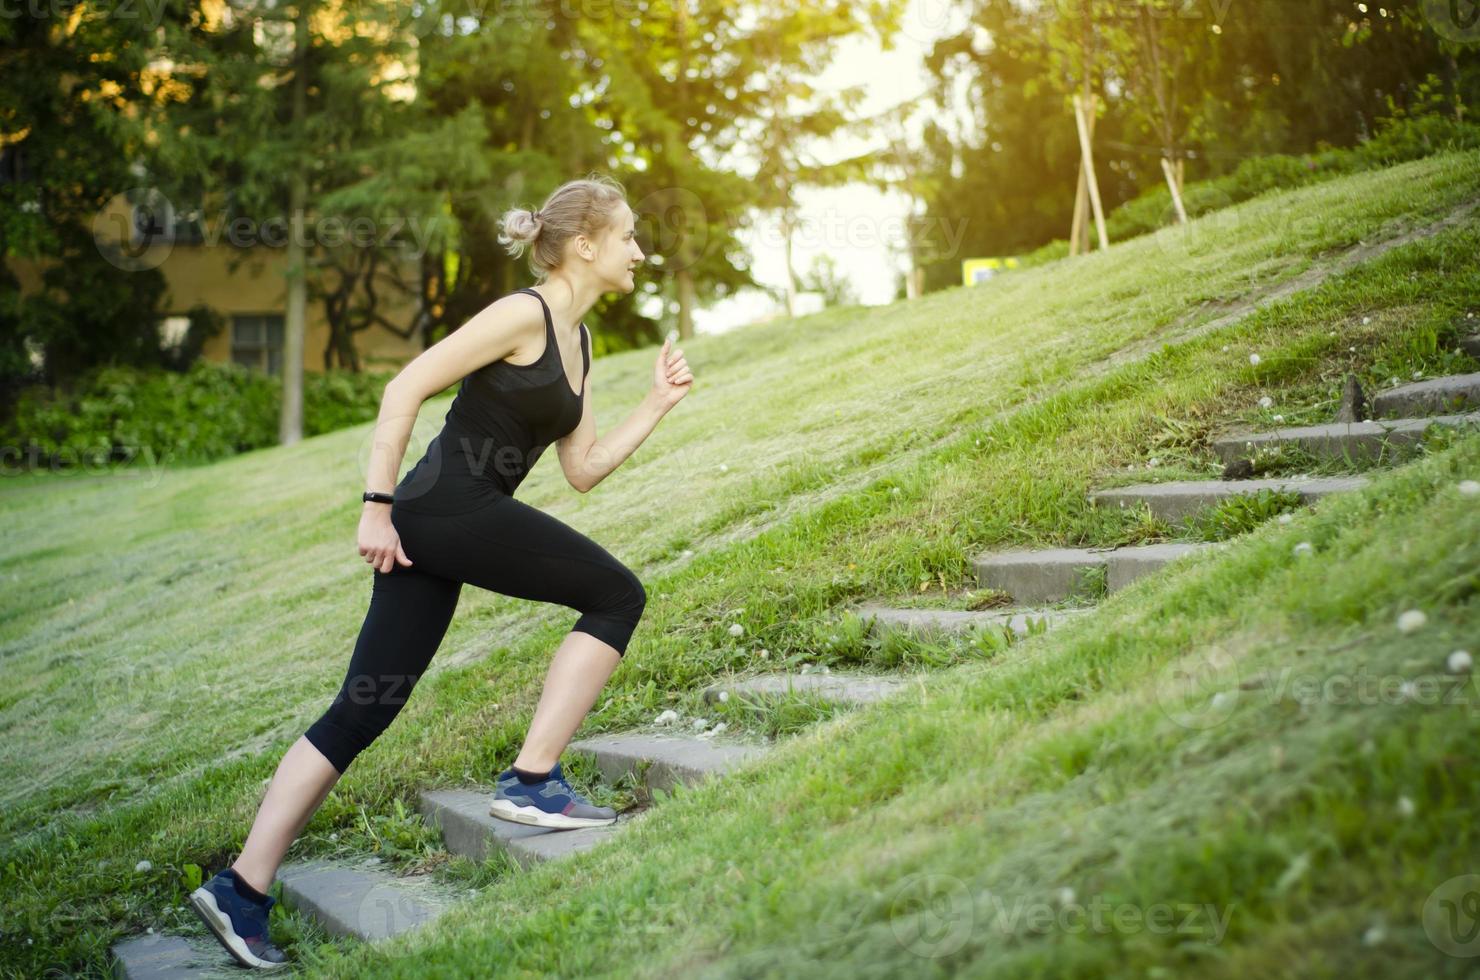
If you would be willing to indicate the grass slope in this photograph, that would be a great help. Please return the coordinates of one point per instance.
(201, 619)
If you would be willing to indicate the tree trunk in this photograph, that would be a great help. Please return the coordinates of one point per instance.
(684, 284)
(290, 420)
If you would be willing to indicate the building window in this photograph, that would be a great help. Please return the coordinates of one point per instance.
(257, 342)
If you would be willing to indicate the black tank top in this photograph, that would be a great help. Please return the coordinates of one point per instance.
(502, 420)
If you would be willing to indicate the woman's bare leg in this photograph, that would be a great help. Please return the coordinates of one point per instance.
(580, 669)
(302, 781)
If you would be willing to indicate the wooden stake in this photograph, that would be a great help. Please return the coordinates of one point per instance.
(1079, 228)
(1088, 162)
(1171, 175)
(1081, 203)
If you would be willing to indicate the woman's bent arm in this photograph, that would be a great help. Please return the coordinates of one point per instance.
(612, 449)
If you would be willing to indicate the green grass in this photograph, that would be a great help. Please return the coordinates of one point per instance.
(169, 634)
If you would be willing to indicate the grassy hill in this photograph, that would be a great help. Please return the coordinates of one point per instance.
(167, 634)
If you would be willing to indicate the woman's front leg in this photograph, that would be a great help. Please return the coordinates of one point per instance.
(579, 670)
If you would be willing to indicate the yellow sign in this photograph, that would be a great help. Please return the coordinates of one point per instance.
(974, 271)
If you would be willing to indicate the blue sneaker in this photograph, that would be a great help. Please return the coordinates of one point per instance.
(238, 920)
(553, 803)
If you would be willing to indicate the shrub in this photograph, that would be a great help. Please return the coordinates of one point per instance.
(207, 412)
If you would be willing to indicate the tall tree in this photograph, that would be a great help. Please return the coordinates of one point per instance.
(77, 82)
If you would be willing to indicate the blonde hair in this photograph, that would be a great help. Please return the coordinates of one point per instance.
(583, 206)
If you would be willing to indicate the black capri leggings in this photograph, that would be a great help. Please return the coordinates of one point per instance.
(504, 546)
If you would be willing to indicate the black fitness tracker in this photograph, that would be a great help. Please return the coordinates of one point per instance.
(376, 496)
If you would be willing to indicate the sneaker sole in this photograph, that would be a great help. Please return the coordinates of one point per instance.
(535, 817)
(205, 906)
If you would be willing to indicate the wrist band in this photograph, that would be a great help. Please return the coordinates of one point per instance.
(376, 496)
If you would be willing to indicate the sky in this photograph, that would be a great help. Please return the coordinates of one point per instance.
(855, 224)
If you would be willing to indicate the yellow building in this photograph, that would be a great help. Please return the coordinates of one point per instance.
(241, 277)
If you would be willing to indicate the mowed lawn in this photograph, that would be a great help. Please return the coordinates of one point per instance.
(170, 632)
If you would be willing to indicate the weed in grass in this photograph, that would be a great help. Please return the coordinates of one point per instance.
(1240, 514)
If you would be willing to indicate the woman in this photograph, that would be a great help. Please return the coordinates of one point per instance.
(453, 519)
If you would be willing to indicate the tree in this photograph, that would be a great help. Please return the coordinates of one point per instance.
(297, 117)
(67, 136)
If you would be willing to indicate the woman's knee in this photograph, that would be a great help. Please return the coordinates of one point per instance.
(361, 712)
(633, 597)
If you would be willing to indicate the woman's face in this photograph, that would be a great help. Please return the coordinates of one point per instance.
(620, 251)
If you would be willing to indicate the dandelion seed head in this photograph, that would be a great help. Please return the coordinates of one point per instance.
(1411, 621)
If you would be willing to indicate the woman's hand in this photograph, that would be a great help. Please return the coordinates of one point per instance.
(379, 543)
(672, 378)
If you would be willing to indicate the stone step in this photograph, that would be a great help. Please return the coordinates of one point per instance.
(470, 831)
(850, 688)
(1339, 440)
(665, 761)
(1055, 574)
(1436, 396)
(1177, 502)
(1471, 345)
(950, 622)
(360, 900)
(160, 957)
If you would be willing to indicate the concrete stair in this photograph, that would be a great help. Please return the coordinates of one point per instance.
(664, 761)
(1436, 396)
(847, 688)
(1177, 502)
(1056, 574)
(162, 957)
(357, 900)
(956, 622)
(360, 900)
(1340, 440)
(470, 831)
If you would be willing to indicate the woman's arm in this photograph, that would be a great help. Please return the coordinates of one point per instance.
(587, 460)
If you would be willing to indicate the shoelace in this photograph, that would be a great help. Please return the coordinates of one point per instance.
(564, 785)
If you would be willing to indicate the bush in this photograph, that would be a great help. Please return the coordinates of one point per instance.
(207, 412)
